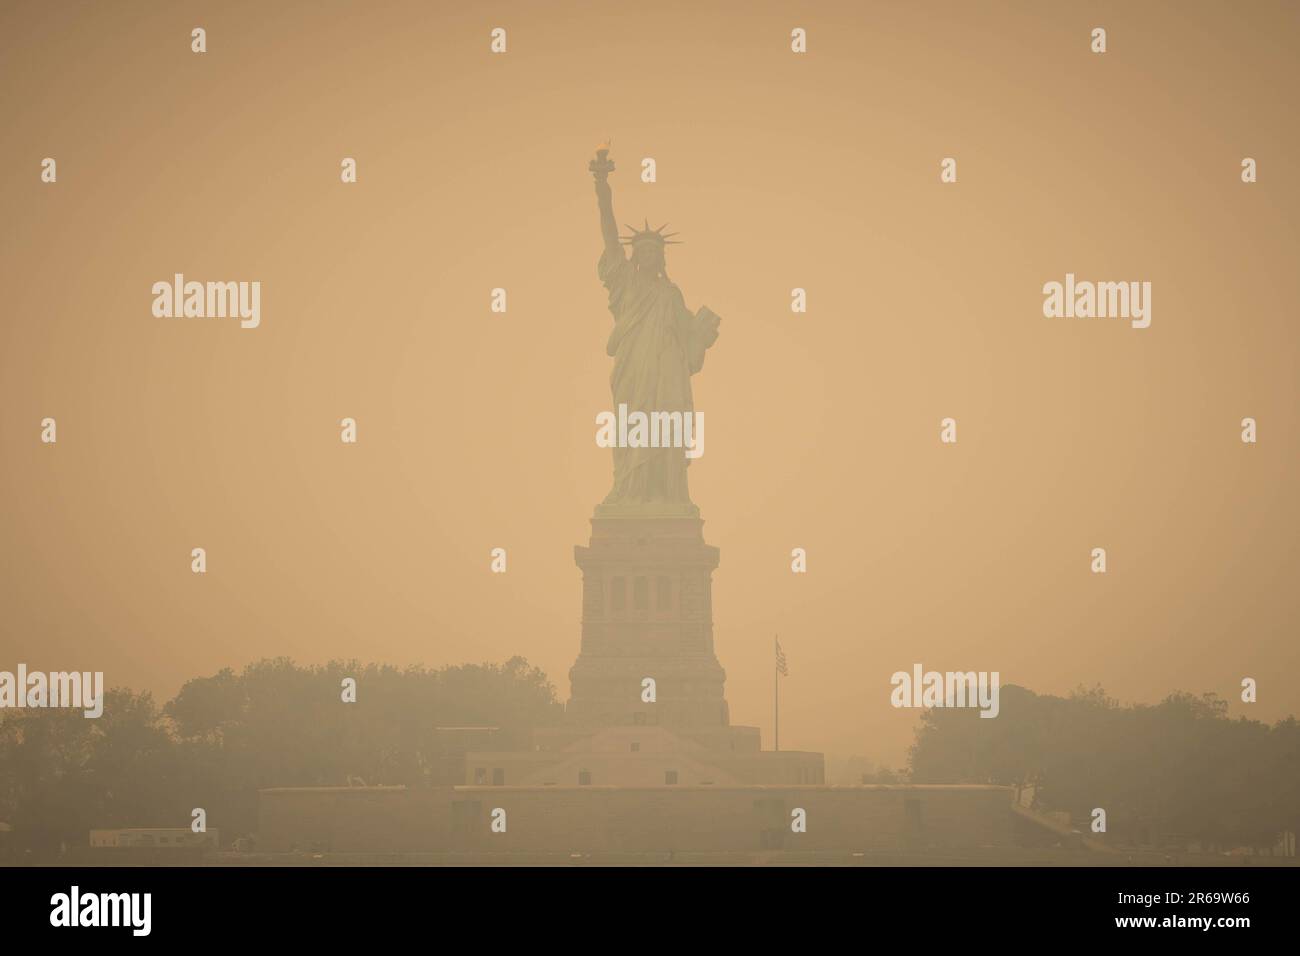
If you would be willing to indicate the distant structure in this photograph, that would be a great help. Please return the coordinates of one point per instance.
(646, 706)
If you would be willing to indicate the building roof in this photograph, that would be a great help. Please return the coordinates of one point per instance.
(466, 728)
(368, 789)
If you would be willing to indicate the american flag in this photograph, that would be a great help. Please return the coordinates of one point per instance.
(781, 667)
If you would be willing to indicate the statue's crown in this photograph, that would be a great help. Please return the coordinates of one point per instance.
(649, 235)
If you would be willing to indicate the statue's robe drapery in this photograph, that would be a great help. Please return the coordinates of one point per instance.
(657, 344)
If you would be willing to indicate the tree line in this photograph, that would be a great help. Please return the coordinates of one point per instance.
(224, 737)
(1177, 770)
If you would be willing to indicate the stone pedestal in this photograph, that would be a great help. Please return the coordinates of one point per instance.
(647, 611)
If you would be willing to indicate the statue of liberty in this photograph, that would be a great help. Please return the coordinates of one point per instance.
(657, 345)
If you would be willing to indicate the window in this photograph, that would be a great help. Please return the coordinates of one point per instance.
(498, 776)
(617, 594)
(584, 778)
(641, 594)
(664, 594)
(636, 746)
(670, 777)
(480, 776)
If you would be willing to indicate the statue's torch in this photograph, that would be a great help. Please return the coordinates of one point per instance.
(602, 165)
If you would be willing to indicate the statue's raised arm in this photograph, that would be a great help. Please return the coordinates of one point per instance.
(600, 168)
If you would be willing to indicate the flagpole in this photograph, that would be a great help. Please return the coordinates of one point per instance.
(776, 695)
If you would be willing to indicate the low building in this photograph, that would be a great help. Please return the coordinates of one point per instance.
(155, 838)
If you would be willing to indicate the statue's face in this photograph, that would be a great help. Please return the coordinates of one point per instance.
(648, 255)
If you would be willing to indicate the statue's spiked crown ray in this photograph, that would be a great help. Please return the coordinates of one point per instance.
(649, 235)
